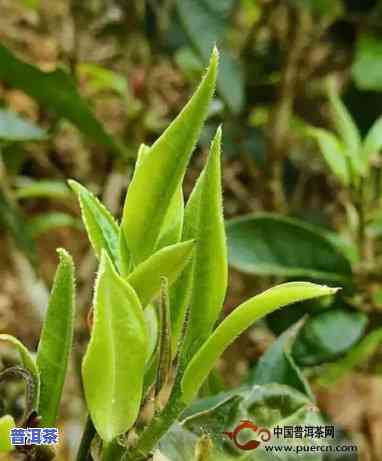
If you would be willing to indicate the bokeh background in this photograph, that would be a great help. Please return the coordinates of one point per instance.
(116, 73)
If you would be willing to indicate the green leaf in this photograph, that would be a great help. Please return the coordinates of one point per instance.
(269, 244)
(367, 66)
(204, 285)
(46, 222)
(334, 153)
(168, 262)
(237, 322)
(56, 340)
(14, 128)
(6, 424)
(372, 144)
(14, 222)
(267, 405)
(27, 361)
(114, 362)
(277, 364)
(101, 78)
(55, 91)
(331, 373)
(101, 227)
(172, 226)
(346, 129)
(322, 338)
(28, 188)
(205, 23)
(162, 169)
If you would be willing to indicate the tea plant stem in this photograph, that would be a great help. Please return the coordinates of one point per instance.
(87, 437)
(156, 430)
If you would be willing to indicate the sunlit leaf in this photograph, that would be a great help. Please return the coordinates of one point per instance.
(237, 322)
(113, 365)
(6, 424)
(56, 340)
(168, 262)
(101, 227)
(202, 289)
(162, 169)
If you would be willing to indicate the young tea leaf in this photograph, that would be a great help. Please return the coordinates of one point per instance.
(204, 286)
(161, 171)
(334, 153)
(28, 362)
(168, 262)
(237, 322)
(172, 226)
(56, 340)
(101, 227)
(6, 424)
(113, 366)
(347, 129)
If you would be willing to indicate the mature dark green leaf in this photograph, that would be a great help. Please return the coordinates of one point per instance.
(161, 171)
(327, 335)
(205, 23)
(56, 91)
(278, 366)
(114, 363)
(237, 322)
(367, 65)
(14, 222)
(267, 406)
(331, 373)
(268, 244)
(14, 128)
(56, 340)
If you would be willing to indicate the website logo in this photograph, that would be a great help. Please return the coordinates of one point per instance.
(262, 433)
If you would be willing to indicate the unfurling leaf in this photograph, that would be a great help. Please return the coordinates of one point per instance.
(204, 283)
(56, 340)
(114, 362)
(237, 322)
(346, 129)
(161, 171)
(168, 262)
(100, 225)
(334, 153)
(27, 361)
